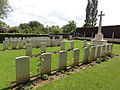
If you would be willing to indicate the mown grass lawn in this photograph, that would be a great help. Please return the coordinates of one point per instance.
(7, 62)
(105, 76)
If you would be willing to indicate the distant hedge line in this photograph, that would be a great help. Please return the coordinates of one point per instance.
(3, 35)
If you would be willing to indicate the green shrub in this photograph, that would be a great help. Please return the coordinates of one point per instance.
(45, 77)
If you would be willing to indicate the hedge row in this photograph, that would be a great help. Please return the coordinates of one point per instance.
(3, 35)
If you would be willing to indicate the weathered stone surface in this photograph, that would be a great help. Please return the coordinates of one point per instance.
(62, 45)
(14, 44)
(61, 37)
(20, 44)
(43, 47)
(86, 55)
(107, 49)
(29, 49)
(85, 43)
(22, 69)
(103, 52)
(76, 54)
(98, 51)
(111, 48)
(62, 60)
(93, 52)
(72, 45)
(45, 63)
(99, 36)
(5, 45)
(70, 37)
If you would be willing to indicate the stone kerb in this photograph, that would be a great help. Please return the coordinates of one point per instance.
(76, 55)
(45, 61)
(29, 49)
(62, 64)
(22, 69)
(86, 55)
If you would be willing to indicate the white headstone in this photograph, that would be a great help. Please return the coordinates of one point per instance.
(76, 54)
(62, 60)
(62, 45)
(86, 55)
(43, 47)
(5, 45)
(22, 69)
(45, 63)
(29, 49)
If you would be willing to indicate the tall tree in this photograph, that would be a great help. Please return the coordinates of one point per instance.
(4, 8)
(91, 13)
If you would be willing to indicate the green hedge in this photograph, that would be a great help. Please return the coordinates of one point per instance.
(3, 35)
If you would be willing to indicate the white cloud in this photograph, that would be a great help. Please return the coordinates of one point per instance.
(111, 10)
(59, 12)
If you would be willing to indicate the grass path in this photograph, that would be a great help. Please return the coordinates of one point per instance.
(105, 76)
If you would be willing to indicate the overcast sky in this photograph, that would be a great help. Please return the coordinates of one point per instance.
(59, 12)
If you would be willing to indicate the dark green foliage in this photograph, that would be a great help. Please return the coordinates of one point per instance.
(91, 13)
(55, 30)
(4, 8)
(62, 71)
(45, 77)
(98, 60)
(69, 28)
(3, 27)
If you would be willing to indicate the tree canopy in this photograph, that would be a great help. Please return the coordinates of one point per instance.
(4, 8)
(70, 27)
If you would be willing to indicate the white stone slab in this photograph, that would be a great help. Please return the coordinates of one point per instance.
(45, 63)
(62, 60)
(22, 69)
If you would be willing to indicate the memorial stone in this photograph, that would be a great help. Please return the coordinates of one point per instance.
(22, 69)
(62, 60)
(45, 63)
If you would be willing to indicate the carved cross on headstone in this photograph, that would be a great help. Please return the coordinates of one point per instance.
(100, 21)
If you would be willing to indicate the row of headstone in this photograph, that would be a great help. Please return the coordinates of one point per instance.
(94, 52)
(44, 46)
(23, 64)
(19, 43)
